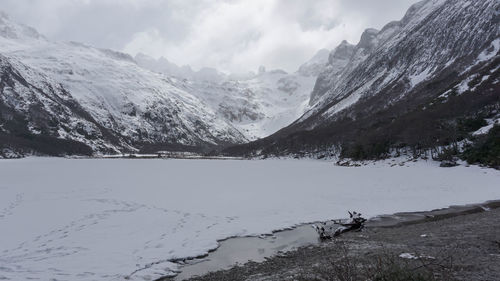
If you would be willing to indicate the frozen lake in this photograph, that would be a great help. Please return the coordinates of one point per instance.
(97, 219)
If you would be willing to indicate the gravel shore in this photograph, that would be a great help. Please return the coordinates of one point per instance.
(457, 244)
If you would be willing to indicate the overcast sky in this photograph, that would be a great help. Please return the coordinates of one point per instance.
(231, 35)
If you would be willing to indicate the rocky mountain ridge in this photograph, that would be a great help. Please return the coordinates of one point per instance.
(411, 84)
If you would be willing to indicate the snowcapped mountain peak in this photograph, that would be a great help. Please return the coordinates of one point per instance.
(11, 30)
(327, 75)
(118, 55)
(374, 43)
(343, 52)
(429, 40)
(320, 56)
(315, 65)
(164, 66)
(209, 74)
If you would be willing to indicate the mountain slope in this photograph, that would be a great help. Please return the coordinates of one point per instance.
(37, 114)
(403, 72)
(259, 106)
(136, 107)
(435, 36)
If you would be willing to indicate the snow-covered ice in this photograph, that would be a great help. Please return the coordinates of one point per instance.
(69, 219)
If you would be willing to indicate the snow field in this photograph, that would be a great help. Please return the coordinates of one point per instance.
(69, 219)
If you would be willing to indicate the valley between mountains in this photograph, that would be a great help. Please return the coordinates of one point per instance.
(420, 84)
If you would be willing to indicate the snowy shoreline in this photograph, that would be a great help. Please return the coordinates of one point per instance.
(125, 216)
(259, 248)
(473, 248)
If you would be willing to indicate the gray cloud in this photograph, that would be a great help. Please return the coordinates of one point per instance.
(232, 35)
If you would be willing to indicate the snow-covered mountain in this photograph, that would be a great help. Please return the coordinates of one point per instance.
(256, 104)
(99, 98)
(162, 65)
(36, 111)
(407, 84)
(434, 37)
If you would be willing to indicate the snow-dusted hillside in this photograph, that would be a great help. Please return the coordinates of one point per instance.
(434, 37)
(257, 104)
(134, 105)
(33, 103)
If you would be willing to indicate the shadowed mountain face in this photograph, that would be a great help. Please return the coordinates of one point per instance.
(405, 85)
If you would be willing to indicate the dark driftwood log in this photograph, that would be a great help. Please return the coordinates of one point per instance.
(331, 229)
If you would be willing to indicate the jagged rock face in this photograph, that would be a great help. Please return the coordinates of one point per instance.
(368, 40)
(116, 105)
(343, 52)
(337, 61)
(434, 37)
